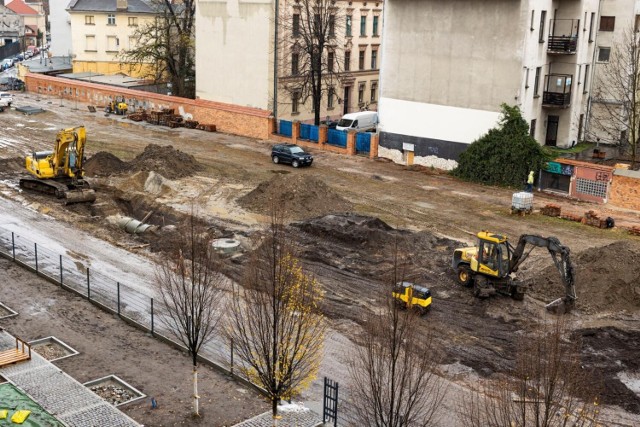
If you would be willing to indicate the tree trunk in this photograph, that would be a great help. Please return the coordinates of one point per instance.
(274, 411)
(196, 409)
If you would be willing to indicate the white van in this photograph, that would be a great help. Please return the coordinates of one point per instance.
(362, 121)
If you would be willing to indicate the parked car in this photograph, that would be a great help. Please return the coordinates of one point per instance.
(28, 54)
(6, 97)
(6, 63)
(291, 153)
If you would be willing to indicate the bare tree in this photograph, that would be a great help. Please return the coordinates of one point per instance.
(165, 47)
(547, 388)
(311, 49)
(393, 374)
(275, 322)
(190, 285)
(615, 112)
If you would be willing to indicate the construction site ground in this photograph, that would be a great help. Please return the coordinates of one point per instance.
(343, 211)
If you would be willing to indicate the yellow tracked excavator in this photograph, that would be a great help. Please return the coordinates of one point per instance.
(60, 172)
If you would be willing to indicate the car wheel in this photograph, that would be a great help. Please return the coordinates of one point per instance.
(276, 159)
(311, 162)
(295, 163)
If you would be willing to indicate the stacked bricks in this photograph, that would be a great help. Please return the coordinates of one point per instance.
(571, 217)
(591, 218)
(551, 210)
(206, 127)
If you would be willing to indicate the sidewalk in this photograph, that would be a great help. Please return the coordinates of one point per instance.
(59, 394)
(293, 415)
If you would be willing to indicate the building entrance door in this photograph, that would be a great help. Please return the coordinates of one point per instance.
(345, 100)
(552, 131)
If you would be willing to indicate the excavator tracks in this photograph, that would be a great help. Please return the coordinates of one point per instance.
(68, 193)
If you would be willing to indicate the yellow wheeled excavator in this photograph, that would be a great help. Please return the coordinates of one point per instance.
(59, 172)
(490, 267)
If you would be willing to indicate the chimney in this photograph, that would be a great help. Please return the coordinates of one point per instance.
(122, 5)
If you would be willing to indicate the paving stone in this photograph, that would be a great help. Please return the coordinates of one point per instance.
(289, 419)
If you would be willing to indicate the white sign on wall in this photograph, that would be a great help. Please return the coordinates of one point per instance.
(408, 147)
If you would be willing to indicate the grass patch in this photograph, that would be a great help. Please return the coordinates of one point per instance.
(555, 151)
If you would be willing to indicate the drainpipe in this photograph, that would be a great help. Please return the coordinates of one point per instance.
(275, 62)
(587, 126)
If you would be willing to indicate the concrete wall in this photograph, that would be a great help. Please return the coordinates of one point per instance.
(60, 22)
(234, 52)
(102, 58)
(250, 122)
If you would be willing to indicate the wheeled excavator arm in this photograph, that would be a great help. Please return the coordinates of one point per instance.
(561, 259)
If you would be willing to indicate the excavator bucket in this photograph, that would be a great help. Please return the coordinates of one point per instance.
(79, 196)
(559, 306)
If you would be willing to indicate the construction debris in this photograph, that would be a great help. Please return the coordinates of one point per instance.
(551, 210)
(591, 218)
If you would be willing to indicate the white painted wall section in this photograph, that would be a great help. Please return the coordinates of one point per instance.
(441, 122)
(60, 22)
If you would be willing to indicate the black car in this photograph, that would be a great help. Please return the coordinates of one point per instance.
(291, 153)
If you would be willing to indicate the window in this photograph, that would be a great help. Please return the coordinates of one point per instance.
(133, 21)
(636, 26)
(533, 14)
(89, 20)
(133, 42)
(593, 18)
(603, 54)
(348, 25)
(332, 25)
(375, 25)
(347, 60)
(607, 23)
(374, 59)
(532, 128)
(361, 60)
(111, 19)
(295, 102)
(317, 24)
(361, 93)
(526, 78)
(374, 91)
(91, 43)
(296, 25)
(543, 18)
(330, 96)
(585, 88)
(112, 43)
(294, 63)
(536, 84)
(330, 60)
(363, 25)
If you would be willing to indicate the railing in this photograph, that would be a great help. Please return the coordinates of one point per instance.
(556, 99)
(562, 44)
(563, 36)
(557, 92)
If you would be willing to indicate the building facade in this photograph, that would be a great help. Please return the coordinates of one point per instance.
(60, 28)
(11, 26)
(447, 67)
(34, 23)
(618, 25)
(237, 47)
(101, 29)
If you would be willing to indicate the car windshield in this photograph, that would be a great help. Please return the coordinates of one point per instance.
(345, 123)
(296, 150)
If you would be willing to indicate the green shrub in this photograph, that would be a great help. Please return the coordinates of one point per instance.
(504, 155)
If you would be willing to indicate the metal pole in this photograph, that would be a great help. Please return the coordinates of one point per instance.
(231, 356)
(13, 245)
(118, 283)
(335, 417)
(275, 62)
(36, 251)
(151, 316)
(324, 401)
(60, 270)
(88, 286)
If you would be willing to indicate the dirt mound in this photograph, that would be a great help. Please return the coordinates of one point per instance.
(348, 228)
(166, 161)
(104, 164)
(302, 196)
(607, 279)
(13, 164)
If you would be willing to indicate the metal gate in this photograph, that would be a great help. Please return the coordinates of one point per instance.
(330, 402)
(363, 142)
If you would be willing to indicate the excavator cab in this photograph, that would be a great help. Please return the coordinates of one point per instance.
(493, 255)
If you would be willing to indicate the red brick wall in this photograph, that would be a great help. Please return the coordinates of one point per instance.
(625, 192)
(234, 119)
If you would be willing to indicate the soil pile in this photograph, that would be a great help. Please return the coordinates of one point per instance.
(13, 164)
(163, 160)
(352, 229)
(104, 164)
(166, 161)
(301, 196)
(607, 279)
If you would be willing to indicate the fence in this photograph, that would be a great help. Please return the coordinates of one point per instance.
(134, 307)
(363, 142)
(309, 132)
(337, 137)
(284, 128)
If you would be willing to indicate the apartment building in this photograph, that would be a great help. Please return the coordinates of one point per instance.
(447, 66)
(34, 22)
(618, 21)
(11, 26)
(235, 57)
(101, 29)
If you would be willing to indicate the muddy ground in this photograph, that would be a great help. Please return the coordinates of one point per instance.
(346, 214)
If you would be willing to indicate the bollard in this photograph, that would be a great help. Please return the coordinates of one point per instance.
(36, 252)
(13, 245)
(151, 316)
(60, 270)
(231, 356)
(118, 283)
(88, 286)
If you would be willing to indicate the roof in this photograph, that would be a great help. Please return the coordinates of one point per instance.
(584, 164)
(21, 8)
(134, 6)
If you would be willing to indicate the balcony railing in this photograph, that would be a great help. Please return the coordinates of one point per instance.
(557, 91)
(563, 36)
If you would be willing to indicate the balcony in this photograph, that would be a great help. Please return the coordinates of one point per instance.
(563, 36)
(557, 92)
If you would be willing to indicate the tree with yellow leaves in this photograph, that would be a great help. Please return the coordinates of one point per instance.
(275, 323)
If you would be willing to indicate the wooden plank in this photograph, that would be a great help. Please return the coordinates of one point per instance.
(9, 357)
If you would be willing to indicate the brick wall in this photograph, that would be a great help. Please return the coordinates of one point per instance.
(233, 119)
(625, 190)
